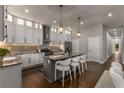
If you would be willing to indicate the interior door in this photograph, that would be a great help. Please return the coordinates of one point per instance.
(94, 48)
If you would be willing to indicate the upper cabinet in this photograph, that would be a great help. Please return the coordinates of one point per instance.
(29, 32)
(11, 31)
(22, 31)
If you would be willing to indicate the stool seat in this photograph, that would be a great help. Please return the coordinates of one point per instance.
(75, 64)
(62, 68)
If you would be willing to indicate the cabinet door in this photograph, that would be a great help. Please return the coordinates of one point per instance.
(24, 60)
(29, 35)
(11, 30)
(39, 58)
(11, 77)
(35, 37)
(20, 34)
(30, 59)
(40, 37)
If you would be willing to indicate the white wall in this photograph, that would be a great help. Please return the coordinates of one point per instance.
(75, 45)
(91, 42)
(122, 47)
(110, 45)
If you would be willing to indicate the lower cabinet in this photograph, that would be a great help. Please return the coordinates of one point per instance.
(32, 59)
(39, 58)
(11, 76)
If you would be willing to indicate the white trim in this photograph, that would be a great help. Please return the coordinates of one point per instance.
(108, 57)
(99, 61)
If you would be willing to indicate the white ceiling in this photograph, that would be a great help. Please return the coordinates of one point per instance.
(90, 14)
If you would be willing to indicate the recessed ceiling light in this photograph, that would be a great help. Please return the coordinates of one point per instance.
(114, 29)
(54, 21)
(110, 14)
(26, 11)
(82, 23)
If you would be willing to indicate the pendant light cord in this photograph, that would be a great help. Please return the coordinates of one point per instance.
(79, 23)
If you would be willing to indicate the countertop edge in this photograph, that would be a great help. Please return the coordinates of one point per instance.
(10, 64)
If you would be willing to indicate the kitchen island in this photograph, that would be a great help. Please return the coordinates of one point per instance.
(49, 65)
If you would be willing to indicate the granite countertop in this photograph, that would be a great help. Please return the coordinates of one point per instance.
(62, 57)
(10, 62)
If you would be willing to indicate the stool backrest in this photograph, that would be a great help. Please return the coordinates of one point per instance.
(66, 62)
(83, 56)
(76, 59)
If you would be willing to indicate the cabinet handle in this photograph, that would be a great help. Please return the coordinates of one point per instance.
(12, 39)
(29, 60)
(38, 40)
(25, 40)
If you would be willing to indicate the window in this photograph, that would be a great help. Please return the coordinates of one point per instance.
(29, 23)
(40, 26)
(36, 25)
(20, 21)
(9, 17)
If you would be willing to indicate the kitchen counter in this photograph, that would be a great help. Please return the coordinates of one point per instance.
(10, 61)
(63, 57)
(49, 65)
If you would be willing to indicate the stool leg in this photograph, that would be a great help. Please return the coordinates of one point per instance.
(70, 74)
(67, 73)
(55, 74)
(82, 67)
(85, 65)
(74, 72)
(79, 69)
(63, 75)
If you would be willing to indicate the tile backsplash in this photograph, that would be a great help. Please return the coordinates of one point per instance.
(17, 49)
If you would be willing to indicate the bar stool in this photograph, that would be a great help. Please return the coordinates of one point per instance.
(63, 66)
(83, 62)
(76, 63)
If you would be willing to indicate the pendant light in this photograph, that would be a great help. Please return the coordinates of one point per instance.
(60, 26)
(78, 33)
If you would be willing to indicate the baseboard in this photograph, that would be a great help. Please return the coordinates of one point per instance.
(107, 58)
(95, 60)
(99, 61)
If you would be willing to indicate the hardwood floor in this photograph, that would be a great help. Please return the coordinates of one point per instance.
(32, 78)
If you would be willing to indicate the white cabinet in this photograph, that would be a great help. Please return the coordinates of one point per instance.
(32, 59)
(29, 35)
(27, 60)
(24, 60)
(20, 34)
(35, 37)
(11, 32)
(39, 58)
(40, 37)
(11, 76)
